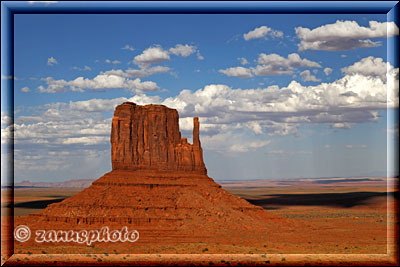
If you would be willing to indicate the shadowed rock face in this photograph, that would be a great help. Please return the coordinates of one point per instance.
(148, 137)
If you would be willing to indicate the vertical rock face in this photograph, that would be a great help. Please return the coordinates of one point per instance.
(148, 137)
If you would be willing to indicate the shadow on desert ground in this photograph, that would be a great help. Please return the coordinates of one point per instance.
(270, 201)
(342, 200)
(37, 204)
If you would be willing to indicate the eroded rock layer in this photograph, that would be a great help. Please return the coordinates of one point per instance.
(158, 200)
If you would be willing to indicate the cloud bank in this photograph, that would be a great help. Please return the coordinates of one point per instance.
(344, 35)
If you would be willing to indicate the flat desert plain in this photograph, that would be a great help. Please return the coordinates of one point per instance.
(327, 216)
(340, 215)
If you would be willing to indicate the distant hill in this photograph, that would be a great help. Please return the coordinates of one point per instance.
(81, 183)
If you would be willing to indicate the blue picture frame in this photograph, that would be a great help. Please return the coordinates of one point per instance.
(9, 9)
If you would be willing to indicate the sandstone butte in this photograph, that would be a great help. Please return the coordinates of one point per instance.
(159, 186)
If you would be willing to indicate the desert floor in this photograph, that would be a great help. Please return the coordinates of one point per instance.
(342, 217)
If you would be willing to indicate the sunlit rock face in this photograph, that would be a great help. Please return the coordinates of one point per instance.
(148, 137)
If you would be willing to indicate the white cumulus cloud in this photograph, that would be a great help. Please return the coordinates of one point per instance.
(344, 35)
(370, 66)
(157, 54)
(271, 65)
(112, 61)
(152, 55)
(85, 68)
(237, 72)
(293, 60)
(51, 61)
(354, 98)
(243, 61)
(308, 77)
(101, 81)
(144, 71)
(25, 89)
(328, 71)
(128, 47)
(261, 32)
(183, 50)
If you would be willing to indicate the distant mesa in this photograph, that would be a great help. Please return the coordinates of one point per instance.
(80, 183)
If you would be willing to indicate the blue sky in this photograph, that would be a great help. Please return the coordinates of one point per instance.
(278, 96)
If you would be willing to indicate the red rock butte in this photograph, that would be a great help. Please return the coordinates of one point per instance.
(148, 137)
(158, 183)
